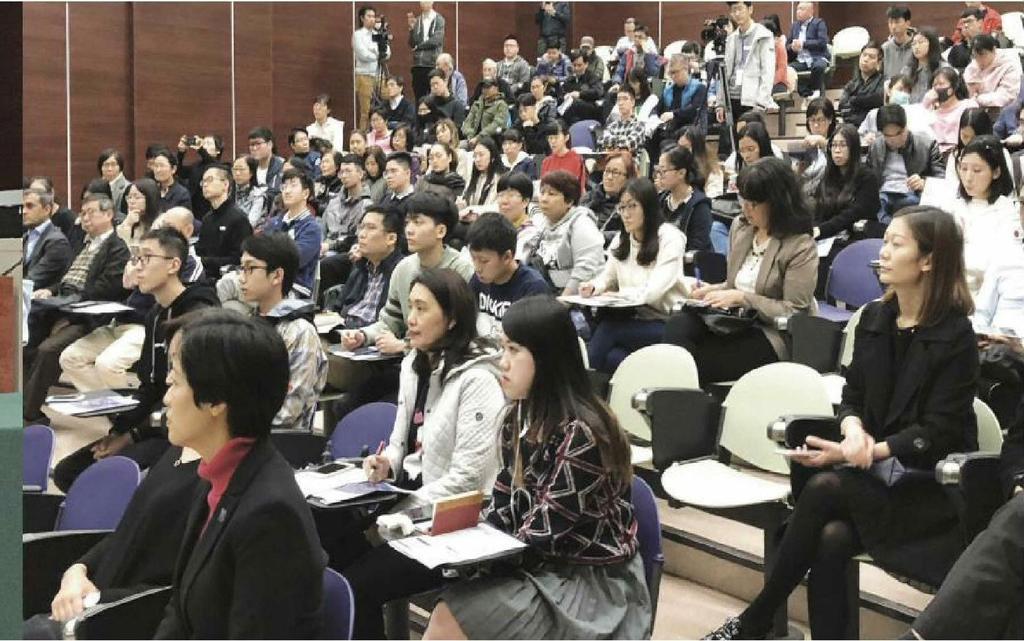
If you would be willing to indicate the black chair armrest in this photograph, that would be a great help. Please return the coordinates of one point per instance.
(972, 482)
(792, 430)
(39, 511)
(815, 342)
(684, 423)
(133, 617)
(45, 557)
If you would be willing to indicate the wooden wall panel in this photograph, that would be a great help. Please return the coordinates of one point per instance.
(101, 88)
(312, 54)
(181, 74)
(942, 16)
(254, 80)
(482, 30)
(684, 20)
(604, 21)
(44, 140)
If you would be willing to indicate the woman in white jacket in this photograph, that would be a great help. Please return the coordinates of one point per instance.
(984, 209)
(645, 265)
(445, 437)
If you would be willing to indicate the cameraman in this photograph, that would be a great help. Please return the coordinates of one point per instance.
(368, 46)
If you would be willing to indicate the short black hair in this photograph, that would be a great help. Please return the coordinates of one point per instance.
(108, 153)
(576, 53)
(171, 241)
(261, 132)
(166, 153)
(324, 98)
(153, 149)
(773, 182)
(553, 43)
(236, 360)
(401, 157)
(303, 176)
(364, 9)
(492, 232)
(984, 42)
(391, 218)
(295, 130)
(223, 170)
(891, 115)
(435, 73)
(564, 183)
(350, 159)
(510, 36)
(899, 12)
(278, 251)
(511, 135)
(436, 207)
(398, 80)
(526, 100)
(746, 2)
(518, 181)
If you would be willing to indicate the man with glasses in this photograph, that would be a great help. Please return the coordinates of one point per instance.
(398, 178)
(627, 132)
(268, 166)
(298, 222)
(681, 104)
(901, 160)
(225, 227)
(972, 22)
(94, 275)
(157, 267)
(270, 263)
(749, 64)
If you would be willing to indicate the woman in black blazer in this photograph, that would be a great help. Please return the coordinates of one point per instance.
(250, 564)
(907, 403)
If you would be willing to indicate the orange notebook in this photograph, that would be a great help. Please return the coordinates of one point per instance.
(457, 512)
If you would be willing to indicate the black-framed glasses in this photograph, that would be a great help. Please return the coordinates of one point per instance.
(247, 270)
(145, 258)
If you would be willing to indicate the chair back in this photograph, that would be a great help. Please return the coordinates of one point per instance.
(848, 42)
(98, 497)
(363, 429)
(816, 342)
(1013, 27)
(37, 454)
(760, 397)
(851, 279)
(990, 434)
(648, 534)
(581, 134)
(134, 617)
(849, 333)
(660, 365)
(339, 613)
(673, 48)
(298, 447)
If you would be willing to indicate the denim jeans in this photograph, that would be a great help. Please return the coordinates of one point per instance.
(892, 202)
(614, 340)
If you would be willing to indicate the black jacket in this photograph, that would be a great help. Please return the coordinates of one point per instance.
(693, 218)
(177, 196)
(50, 259)
(450, 107)
(861, 96)
(404, 113)
(152, 364)
(221, 236)
(355, 287)
(103, 282)
(920, 154)
(925, 411)
(588, 85)
(603, 206)
(140, 553)
(535, 141)
(834, 217)
(450, 185)
(192, 177)
(256, 572)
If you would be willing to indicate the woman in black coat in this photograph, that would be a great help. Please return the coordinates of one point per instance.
(907, 404)
(250, 565)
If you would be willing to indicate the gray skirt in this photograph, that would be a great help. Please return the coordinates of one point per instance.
(555, 601)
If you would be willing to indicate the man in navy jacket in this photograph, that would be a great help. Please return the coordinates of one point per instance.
(298, 222)
(807, 48)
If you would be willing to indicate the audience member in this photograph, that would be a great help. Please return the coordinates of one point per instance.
(250, 197)
(47, 253)
(328, 184)
(515, 191)
(595, 64)
(626, 132)
(974, 122)
(781, 83)
(481, 193)
(915, 343)
(581, 90)
(896, 50)
(226, 226)
(603, 200)
(847, 191)
(453, 77)
(749, 64)
(442, 177)
(142, 204)
(900, 161)
(228, 378)
(499, 280)
(772, 268)
(94, 275)
(161, 267)
(1009, 127)
(365, 291)
(556, 432)
(971, 26)
(513, 156)
(61, 217)
(682, 104)
(444, 101)
(302, 227)
(269, 166)
(808, 48)
(993, 78)
(298, 140)
(513, 68)
(636, 55)
(110, 165)
(445, 433)
(398, 110)
(375, 163)
(568, 250)
(533, 124)
(946, 100)
(926, 60)
(398, 178)
(821, 123)
(345, 209)
(864, 92)
(752, 144)
(683, 203)
(553, 63)
(711, 172)
(367, 59)
(553, 20)
(426, 39)
(645, 265)
(172, 193)
(992, 22)
(402, 142)
(379, 134)
(209, 148)
(357, 143)
(325, 126)
(488, 115)
(562, 158)
(897, 93)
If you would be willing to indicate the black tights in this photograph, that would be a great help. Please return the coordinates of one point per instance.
(819, 538)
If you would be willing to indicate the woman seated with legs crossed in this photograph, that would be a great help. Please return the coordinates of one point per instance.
(445, 434)
(564, 489)
(645, 264)
(907, 404)
(772, 269)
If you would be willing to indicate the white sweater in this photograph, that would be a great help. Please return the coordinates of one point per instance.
(659, 285)
(985, 226)
(459, 434)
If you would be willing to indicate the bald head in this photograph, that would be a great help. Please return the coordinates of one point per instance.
(179, 218)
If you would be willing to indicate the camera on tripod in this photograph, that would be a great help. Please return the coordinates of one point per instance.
(714, 31)
(382, 36)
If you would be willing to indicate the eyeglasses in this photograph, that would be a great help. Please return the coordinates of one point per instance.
(658, 171)
(255, 144)
(615, 172)
(145, 258)
(839, 144)
(247, 270)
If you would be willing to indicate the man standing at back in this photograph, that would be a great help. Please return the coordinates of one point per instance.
(426, 38)
(749, 64)
(808, 49)
(367, 60)
(553, 19)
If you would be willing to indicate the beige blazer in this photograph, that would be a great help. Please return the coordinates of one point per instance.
(785, 281)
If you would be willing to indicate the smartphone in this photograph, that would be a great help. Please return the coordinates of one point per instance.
(64, 398)
(333, 467)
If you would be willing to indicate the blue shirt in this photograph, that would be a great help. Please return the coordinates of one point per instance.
(32, 239)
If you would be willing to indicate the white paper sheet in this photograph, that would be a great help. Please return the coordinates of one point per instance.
(476, 543)
(603, 300)
(825, 246)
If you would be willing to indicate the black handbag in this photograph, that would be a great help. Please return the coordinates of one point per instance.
(723, 322)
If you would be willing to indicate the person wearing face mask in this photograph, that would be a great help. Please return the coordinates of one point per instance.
(947, 99)
(919, 119)
(864, 92)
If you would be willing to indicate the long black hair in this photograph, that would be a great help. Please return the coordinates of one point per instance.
(494, 169)
(978, 120)
(772, 181)
(934, 55)
(706, 162)
(838, 184)
(989, 149)
(759, 134)
(458, 306)
(148, 188)
(561, 391)
(643, 191)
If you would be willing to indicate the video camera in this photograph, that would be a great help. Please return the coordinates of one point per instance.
(714, 32)
(382, 36)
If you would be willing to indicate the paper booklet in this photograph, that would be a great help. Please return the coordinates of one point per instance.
(481, 542)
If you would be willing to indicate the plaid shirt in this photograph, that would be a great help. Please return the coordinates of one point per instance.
(628, 134)
(365, 311)
(74, 280)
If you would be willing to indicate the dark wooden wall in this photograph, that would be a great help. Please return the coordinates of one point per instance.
(136, 73)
